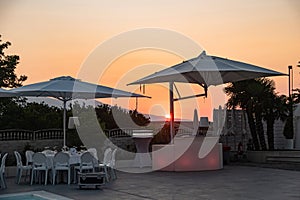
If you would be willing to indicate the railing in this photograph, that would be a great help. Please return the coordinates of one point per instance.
(127, 132)
(16, 134)
(46, 134)
(19, 134)
(124, 132)
(184, 131)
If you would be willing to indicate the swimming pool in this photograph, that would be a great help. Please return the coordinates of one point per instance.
(22, 197)
(34, 195)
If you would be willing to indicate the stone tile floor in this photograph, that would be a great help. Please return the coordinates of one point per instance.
(232, 182)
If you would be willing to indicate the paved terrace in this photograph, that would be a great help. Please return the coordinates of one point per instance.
(233, 182)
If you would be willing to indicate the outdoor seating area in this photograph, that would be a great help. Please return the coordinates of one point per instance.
(156, 100)
(51, 167)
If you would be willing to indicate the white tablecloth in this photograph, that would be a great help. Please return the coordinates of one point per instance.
(74, 158)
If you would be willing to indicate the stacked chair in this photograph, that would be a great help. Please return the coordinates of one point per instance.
(2, 172)
(29, 155)
(106, 162)
(21, 167)
(112, 164)
(109, 164)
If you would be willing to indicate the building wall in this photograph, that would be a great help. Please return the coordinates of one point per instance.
(235, 129)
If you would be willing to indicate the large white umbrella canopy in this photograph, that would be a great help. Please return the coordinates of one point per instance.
(208, 70)
(205, 70)
(66, 88)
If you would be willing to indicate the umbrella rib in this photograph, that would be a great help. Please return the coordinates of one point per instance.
(177, 90)
(197, 95)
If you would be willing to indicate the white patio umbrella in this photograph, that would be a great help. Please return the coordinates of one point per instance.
(66, 88)
(204, 70)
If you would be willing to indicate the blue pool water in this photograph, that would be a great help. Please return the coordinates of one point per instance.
(23, 197)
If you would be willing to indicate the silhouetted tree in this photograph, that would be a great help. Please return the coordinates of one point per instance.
(258, 98)
(240, 97)
(30, 116)
(8, 64)
(9, 79)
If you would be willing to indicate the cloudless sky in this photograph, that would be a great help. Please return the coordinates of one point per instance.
(55, 37)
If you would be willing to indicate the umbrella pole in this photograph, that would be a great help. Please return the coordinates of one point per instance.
(64, 121)
(171, 111)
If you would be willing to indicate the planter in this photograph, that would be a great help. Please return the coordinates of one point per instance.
(279, 155)
(226, 155)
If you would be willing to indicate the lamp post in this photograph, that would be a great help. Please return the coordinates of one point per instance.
(297, 89)
(290, 68)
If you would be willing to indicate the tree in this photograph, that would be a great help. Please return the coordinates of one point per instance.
(271, 107)
(240, 97)
(112, 117)
(275, 107)
(288, 131)
(30, 116)
(8, 79)
(258, 98)
(8, 64)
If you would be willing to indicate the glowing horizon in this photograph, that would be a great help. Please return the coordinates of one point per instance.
(54, 38)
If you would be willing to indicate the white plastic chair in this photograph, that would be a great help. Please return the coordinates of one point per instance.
(87, 163)
(39, 163)
(93, 151)
(106, 162)
(21, 167)
(112, 164)
(61, 162)
(29, 155)
(2, 172)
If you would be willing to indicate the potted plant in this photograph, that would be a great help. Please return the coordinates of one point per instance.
(288, 132)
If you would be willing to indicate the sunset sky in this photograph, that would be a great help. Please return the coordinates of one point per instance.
(58, 37)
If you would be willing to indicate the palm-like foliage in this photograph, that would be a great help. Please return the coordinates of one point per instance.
(240, 97)
(258, 98)
(288, 130)
(275, 107)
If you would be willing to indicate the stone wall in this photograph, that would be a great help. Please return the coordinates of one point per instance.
(236, 129)
(125, 143)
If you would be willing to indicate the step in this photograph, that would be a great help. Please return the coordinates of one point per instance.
(292, 159)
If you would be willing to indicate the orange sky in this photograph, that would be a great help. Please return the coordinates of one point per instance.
(55, 37)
